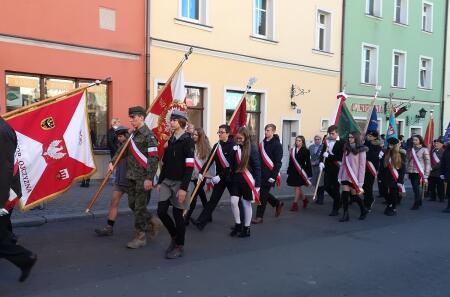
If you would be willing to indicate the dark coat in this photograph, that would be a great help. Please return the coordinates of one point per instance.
(274, 150)
(331, 163)
(111, 141)
(228, 152)
(386, 176)
(8, 145)
(254, 166)
(373, 153)
(445, 164)
(303, 157)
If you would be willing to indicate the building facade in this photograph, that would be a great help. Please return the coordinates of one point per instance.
(77, 42)
(398, 45)
(287, 45)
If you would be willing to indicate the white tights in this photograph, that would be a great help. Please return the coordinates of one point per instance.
(247, 205)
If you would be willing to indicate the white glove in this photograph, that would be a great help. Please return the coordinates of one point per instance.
(3, 212)
(321, 165)
(215, 179)
(200, 177)
(380, 155)
(360, 184)
(325, 154)
(257, 189)
(271, 180)
(425, 176)
(442, 177)
(425, 181)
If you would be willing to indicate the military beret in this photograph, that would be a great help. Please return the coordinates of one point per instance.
(121, 130)
(393, 141)
(136, 110)
(373, 133)
(178, 114)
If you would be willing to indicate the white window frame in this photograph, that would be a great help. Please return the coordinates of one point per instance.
(327, 30)
(376, 56)
(402, 126)
(270, 24)
(415, 127)
(202, 12)
(321, 124)
(404, 15)
(401, 82)
(430, 85)
(378, 8)
(430, 21)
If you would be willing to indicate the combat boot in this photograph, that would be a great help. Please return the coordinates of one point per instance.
(138, 241)
(155, 225)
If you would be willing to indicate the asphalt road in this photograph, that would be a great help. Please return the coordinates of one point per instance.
(298, 254)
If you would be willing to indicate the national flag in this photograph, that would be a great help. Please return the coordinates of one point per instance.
(158, 117)
(239, 118)
(399, 110)
(54, 148)
(391, 129)
(429, 133)
(373, 121)
(447, 134)
(343, 118)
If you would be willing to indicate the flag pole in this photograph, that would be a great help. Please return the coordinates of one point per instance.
(10, 114)
(250, 83)
(372, 106)
(125, 145)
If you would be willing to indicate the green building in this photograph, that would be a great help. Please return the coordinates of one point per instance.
(400, 46)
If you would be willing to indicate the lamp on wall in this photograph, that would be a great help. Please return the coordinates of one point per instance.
(418, 117)
(295, 91)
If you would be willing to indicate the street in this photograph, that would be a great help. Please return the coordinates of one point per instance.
(298, 254)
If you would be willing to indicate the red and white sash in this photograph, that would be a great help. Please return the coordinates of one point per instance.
(352, 175)
(138, 155)
(434, 158)
(417, 164)
(394, 174)
(198, 163)
(247, 176)
(268, 162)
(189, 162)
(371, 168)
(223, 161)
(299, 168)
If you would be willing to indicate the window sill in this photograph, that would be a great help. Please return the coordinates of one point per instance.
(263, 39)
(400, 24)
(368, 84)
(425, 89)
(320, 52)
(374, 17)
(427, 32)
(193, 24)
(398, 88)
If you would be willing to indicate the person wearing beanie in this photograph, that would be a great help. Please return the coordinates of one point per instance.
(372, 164)
(435, 183)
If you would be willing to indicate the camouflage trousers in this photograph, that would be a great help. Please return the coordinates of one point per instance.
(138, 199)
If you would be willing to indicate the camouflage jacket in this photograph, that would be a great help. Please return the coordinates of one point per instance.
(144, 167)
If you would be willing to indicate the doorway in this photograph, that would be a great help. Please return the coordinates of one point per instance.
(289, 132)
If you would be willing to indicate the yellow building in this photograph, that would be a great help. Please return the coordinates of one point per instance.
(280, 42)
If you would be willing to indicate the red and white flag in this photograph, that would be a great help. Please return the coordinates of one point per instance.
(54, 148)
(158, 117)
(341, 97)
(240, 117)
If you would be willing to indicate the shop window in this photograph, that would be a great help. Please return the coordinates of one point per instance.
(21, 90)
(194, 102)
(232, 99)
(55, 86)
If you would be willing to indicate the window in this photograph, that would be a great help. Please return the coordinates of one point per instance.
(369, 69)
(194, 102)
(107, 19)
(373, 7)
(425, 73)
(415, 131)
(427, 17)
(232, 99)
(398, 69)
(263, 18)
(323, 31)
(324, 123)
(193, 11)
(401, 11)
(25, 89)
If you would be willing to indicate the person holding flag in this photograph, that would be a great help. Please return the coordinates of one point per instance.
(392, 168)
(271, 153)
(372, 164)
(418, 169)
(351, 174)
(246, 181)
(436, 184)
(142, 164)
(299, 171)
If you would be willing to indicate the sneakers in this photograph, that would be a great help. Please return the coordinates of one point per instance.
(294, 206)
(176, 252)
(257, 220)
(105, 231)
(278, 209)
(138, 241)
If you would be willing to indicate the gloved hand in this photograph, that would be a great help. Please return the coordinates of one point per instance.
(200, 177)
(425, 180)
(216, 179)
(360, 184)
(380, 155)
(271, 180)
(3, 212)
(442, 176)
(325, 154)
(257, 189)
(321, 165)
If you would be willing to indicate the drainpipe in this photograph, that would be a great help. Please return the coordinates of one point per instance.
(341, 82)
(147, 54)
(444, 89)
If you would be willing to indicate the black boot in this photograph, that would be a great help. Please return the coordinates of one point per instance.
(390, 211)
(345, 217)
(362, 209)
(245, 232)
(415, 206)
(236, 230)
(320, 195)
(447, 210)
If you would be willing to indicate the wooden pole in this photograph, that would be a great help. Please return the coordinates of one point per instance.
(318, 183)
(125, 145)
(372, 106)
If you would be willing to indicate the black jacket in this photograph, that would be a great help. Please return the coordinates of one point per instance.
(374, 151)
(227, 149)
(303, 158)
(8, 145)
(175, 165)
(445, 164)
(332, 159)
(386, 176)
(111, 142)
(274, 150)
(254, 166)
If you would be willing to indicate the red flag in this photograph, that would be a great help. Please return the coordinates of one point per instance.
(54, 148)
(239, 117)
(429, 134)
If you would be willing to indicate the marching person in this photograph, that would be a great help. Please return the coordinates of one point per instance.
(435, 183)
(330, 159)
(299, 171)
(112, 143)
(314, 150)
(445, 172)
(393, 172)
(246, 182)
(223, 157)
(271, 153)
(202, 150)
(9, 249)
(351, 174)
(372, 165)
(173, 183)
(120, 186)
(142, 163)
(418, 168)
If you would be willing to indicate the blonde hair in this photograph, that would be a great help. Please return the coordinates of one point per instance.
(203, 146)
